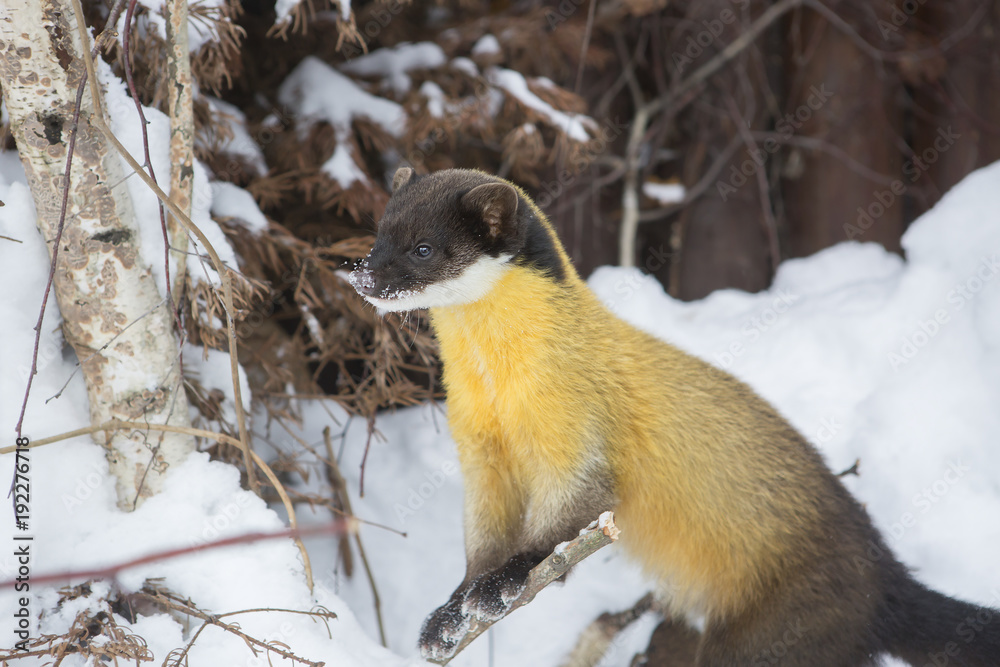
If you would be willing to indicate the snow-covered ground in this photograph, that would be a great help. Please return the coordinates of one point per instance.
(893, 362)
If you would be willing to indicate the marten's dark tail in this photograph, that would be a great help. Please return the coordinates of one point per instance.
(928, 629)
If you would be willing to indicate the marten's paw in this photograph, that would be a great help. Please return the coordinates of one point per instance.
(443, 630)
(489, 597)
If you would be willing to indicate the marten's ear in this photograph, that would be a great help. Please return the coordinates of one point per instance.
(496, 203)
(402, 177)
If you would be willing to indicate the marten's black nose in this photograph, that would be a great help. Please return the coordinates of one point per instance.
(363, 281)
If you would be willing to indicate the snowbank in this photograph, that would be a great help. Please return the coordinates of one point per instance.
(892, 362)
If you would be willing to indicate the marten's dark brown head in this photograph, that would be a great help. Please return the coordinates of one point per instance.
(446, 238)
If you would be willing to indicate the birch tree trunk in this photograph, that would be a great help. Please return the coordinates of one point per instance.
(113, 313)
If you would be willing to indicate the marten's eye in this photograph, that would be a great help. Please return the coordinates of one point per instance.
(423, 251)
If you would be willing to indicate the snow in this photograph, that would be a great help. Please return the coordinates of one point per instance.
(486, 45)
(213, 371)
(577, 126)
(435, 98)
(463, 64)
(664, 193)
(317, 92)
(232, 201)
(241, 144)
(125, 124)
(850, 344)
(283, 10)
(200, 31)
(393, 63)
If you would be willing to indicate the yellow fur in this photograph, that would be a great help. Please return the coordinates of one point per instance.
(541, 378)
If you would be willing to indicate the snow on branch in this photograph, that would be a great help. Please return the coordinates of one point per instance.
(317, 92)
(391, 64)
(578, 127)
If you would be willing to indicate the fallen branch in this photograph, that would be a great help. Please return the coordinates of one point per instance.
(597, 638)
(179, 657)
(599, 534)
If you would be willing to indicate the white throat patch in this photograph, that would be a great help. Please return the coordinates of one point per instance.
(472, 284)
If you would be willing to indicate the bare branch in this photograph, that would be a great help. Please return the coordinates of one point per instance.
(769, 224)
(586, 45)
(673, 101)
(597, 637)
(600, 534)
(171, 601)
(180, 107)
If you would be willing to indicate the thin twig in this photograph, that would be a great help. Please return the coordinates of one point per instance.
(630, 188)
(364, 457)
(335, 527)
(130, 82)
(941, 47)
(340, 485)
(695, 191)
(70, 149)
(586, 45)
(177, 604)
(769, 224)
(815, 143)
(675, 100)
(79, 364)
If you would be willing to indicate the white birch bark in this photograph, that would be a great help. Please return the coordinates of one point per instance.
(113, 314)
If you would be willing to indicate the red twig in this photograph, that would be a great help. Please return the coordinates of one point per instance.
(336, 527)
(127, 61)
(55, 256)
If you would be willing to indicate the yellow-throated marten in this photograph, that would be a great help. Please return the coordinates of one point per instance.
(561, 411)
